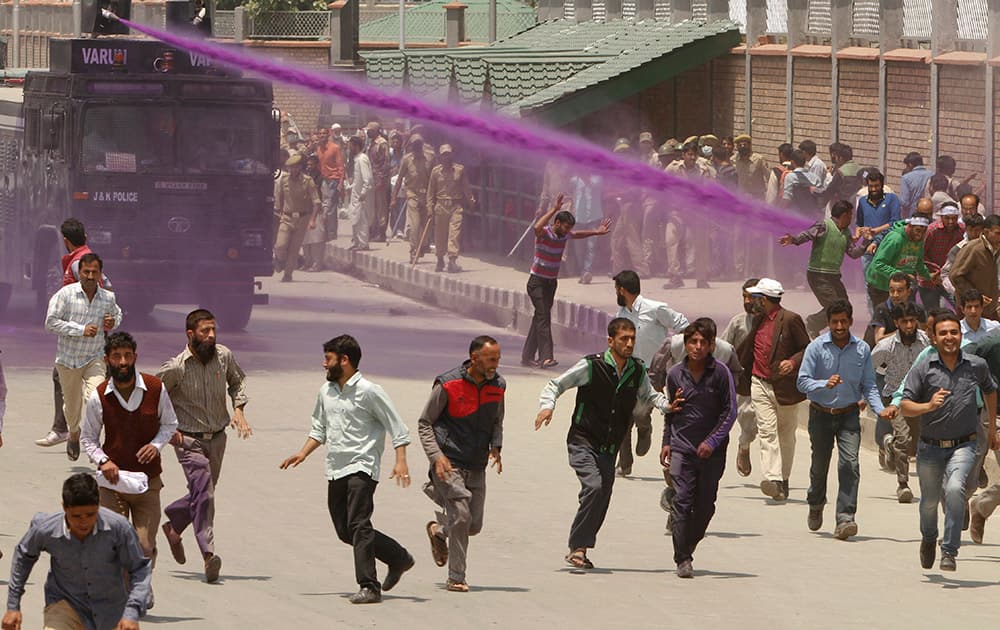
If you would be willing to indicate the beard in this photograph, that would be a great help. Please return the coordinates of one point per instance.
(749, 308)
(621, 300)
(204, 349)
(123, 374)
(334, 372)
(908, 338)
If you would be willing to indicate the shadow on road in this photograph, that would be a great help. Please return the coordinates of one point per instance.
(200, 577)
(723, 575)
(731, 534)
(950, 583)
(159, 619)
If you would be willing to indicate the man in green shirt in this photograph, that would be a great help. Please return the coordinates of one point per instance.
(831, 239)
(900, 251)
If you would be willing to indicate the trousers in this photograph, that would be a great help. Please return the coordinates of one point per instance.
(542, 293)
(291, 233)
(142, 509)
(351, 501)
(845, 428)
(77, 385)
(828, 288)
(642, 420)
(417, 218)
(201, 461)
(462, 497)
(696, 486)
(776, 426)
(596, 472)
(447, 228)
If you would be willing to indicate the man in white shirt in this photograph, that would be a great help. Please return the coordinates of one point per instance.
(654, 323)
(974, 326)
(77, 314)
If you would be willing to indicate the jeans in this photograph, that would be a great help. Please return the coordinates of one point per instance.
(542, 293)
(944, 469)
(846, 429)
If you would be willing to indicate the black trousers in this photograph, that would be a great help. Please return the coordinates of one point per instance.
(542, 293)
(696, 483)
(351, 502)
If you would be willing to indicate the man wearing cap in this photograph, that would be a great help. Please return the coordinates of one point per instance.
(626, 240)
(697, 251)
(900, 251)
(299, 204)
(378, 155)
(294, 142)
(942, 235)
(771, 355)
(753, 174)
(331, 164)
(447, 193)
(975, 266)
(414, 176)
(647, 149)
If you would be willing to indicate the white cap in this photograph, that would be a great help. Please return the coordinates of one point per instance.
(335, 127)
(919, 221)
(768, 287)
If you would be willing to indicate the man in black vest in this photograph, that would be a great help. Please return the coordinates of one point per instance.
(608, 386)
(461, 430)
(138, 420)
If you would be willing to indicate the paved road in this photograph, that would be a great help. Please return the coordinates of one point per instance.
(284, 568)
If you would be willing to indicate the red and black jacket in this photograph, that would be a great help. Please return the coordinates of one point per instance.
(469, 425)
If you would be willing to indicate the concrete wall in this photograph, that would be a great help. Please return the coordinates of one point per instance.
(908, 88)
(961, 123)
(811, 94)
(858, 110)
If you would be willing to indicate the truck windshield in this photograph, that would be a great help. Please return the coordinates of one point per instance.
(162, 139)
(127, 138)
(224, 140)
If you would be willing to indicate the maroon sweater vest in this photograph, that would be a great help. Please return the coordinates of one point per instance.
(125, 432)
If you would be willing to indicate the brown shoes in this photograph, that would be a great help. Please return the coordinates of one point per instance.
(743, 466)
(176, 545)
(213, 566)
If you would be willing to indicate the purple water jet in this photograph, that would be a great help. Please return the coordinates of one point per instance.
(498, 130)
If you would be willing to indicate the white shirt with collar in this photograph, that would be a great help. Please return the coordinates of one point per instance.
(93, 417)
(654, 321)
(986, 326)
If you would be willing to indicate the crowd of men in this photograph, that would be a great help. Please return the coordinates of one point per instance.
(389, 183)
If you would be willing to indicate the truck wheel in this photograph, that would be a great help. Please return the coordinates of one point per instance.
(48, 282)
(6, 289)
(233, 312)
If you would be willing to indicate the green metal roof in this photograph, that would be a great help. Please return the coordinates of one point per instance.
(560, 70)
(425, 22)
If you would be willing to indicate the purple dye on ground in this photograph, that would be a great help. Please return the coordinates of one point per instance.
(515, 135)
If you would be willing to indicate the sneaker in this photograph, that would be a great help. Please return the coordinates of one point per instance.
(674, 283)
(73, 450)
(367, 595)
(644, 439)
(52, 439)
(815, 519)
(685, 570)
(743, 465)
(772, 489)
(845, 530)
(928, 548)
(213, 566)
(394, 574)
(947, 562)
(904, 494)
(586, 278)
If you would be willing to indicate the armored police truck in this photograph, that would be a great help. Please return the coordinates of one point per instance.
(165, 158)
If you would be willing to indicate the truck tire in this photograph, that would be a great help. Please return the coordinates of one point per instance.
(232, 312)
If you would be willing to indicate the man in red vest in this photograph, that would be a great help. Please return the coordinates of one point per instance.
(138, 420)
(75, 241)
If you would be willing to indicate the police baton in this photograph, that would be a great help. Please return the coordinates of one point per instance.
(530, 227)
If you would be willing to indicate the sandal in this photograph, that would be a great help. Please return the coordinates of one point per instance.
(439, 548)
(457, 587)
(578, 559)
(548, 363)
(530, 364)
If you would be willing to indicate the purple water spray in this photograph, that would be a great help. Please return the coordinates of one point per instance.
(495, 129)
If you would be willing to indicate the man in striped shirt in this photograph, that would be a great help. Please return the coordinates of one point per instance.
(550, 241)
(77, 314)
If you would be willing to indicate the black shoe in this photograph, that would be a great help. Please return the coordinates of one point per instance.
(815, 519)
(453, 266)
(392, 577)
(947, 562)
(644, 439)
(367, 595)
(624, 471)
(928, 549)
(703, 284)
(73, 450)
(904, 494)
(685, 570)
(440, 265)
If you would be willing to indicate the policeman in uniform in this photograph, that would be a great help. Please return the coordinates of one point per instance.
(414, 176)
(378, 155)
(298, 201)
(447, 191)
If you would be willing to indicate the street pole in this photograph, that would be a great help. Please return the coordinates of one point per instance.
(16, 26)
(493, 21)
(77, 18)
(402, 24)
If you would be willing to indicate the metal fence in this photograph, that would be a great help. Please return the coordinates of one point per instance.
(289, 25)
(224, 24)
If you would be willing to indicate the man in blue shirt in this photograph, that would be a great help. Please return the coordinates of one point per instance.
(878, 211)
(836, 373)
(695, 437)
(91, 549)
(913, 183)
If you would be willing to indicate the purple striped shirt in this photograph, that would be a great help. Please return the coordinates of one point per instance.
(548, 254)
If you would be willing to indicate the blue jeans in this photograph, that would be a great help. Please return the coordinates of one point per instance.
(846, 429)
(944, 469)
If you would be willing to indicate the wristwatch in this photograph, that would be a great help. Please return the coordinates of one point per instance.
(104, 460)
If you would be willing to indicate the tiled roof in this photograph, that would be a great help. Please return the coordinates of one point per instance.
(537, 69)
(425, 22)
